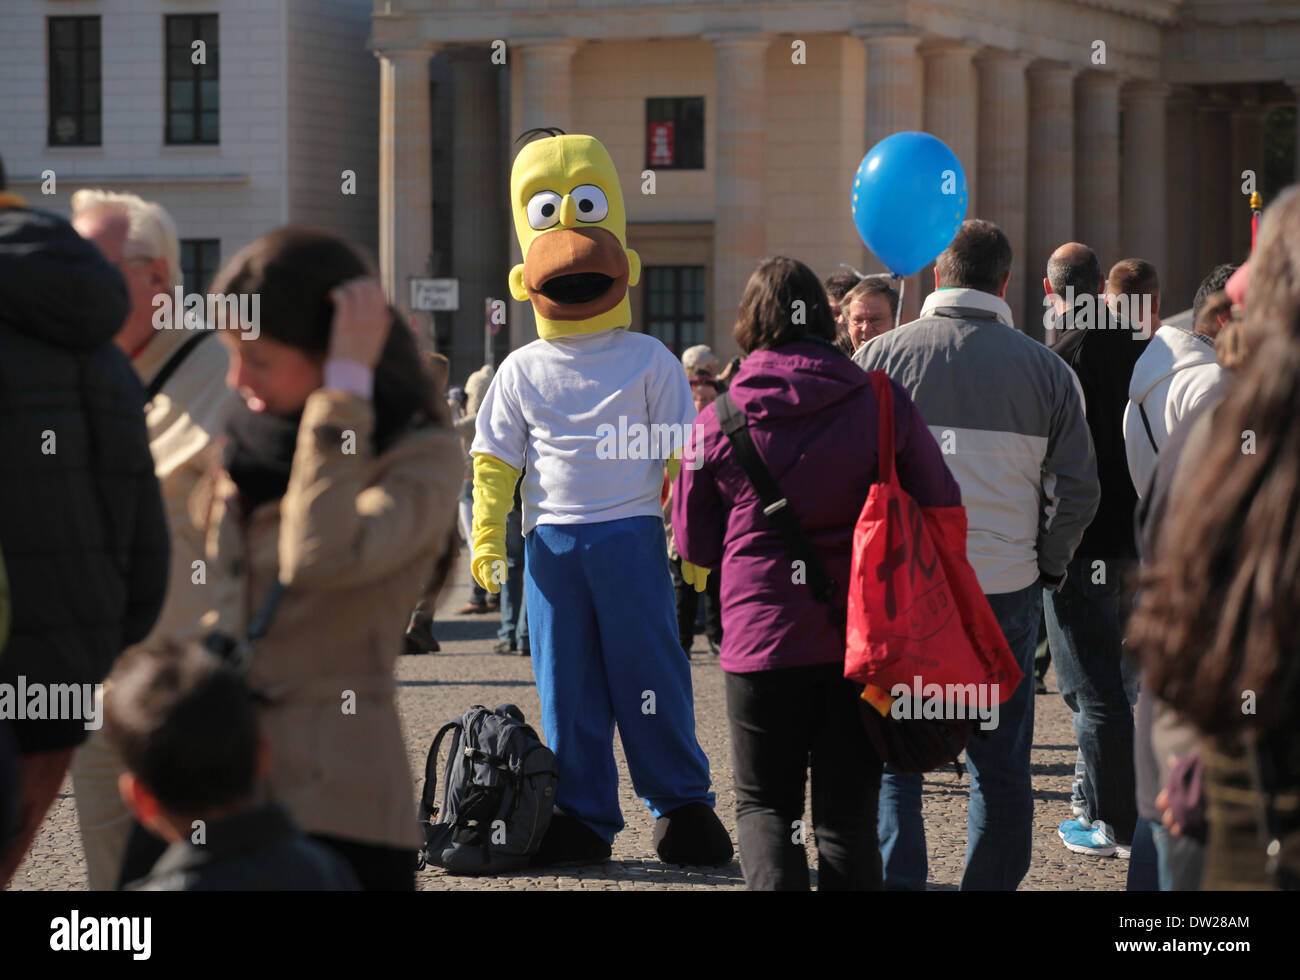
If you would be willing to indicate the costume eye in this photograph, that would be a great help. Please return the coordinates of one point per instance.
(543, 210)
(591, 203)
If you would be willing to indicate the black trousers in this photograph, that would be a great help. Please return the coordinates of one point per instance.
(688, 605)
(783, 721)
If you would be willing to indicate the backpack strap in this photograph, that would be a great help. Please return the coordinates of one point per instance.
(735, 426)
(428, 805)
(172, 363)
(1146, 424)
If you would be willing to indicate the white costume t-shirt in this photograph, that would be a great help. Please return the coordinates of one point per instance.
(594, 417)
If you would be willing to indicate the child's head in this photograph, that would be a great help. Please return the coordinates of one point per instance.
(186, 726)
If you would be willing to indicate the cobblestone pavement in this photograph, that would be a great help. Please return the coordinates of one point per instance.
(435, 688)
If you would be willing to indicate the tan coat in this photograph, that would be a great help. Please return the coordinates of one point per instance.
(186, 421)
(355, 539)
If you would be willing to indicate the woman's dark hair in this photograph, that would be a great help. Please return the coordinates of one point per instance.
(293, 270)
(783, 302)
(1220, 608)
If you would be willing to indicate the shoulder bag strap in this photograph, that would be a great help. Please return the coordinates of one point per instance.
(172, 363)
(735, 426)
(1146, 424)
(885, 438)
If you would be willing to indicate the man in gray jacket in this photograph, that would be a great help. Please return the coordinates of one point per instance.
(1008, 414)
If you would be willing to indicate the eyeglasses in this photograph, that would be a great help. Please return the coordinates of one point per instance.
(136, 260)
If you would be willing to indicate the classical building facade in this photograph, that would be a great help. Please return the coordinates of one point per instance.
(737, 128)
(236, 116)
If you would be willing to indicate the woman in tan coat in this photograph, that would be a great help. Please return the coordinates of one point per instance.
(339, 483)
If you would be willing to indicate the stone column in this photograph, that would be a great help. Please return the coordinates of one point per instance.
(1246, 135)
(1183, 204)
(949, 111)
(1219, 188)
(1051, 178)
(1003, 160)
(1143, 204)
(1096, 181)
(541, 68)
(480, 217)
(950, 104)
(894, 82)
(740, 214)
(893, 105)
(405, 176)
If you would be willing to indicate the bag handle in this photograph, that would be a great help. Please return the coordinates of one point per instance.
(885, 440)
(735, 426)
(428, 805)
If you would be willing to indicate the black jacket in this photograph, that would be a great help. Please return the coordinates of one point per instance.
(1102, 355)
(82, 526)
(260, 849)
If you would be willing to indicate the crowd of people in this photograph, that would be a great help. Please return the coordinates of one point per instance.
(255, 524)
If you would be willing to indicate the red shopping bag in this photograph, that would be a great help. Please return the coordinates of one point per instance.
(915, 606)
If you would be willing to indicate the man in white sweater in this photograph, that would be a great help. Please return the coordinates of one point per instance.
(1175, 373)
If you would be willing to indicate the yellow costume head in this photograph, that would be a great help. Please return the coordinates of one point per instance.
(572, 229)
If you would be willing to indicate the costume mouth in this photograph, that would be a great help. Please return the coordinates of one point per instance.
(576, 288)
(575, 273)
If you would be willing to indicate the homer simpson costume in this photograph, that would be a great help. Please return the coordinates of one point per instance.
(597, 585)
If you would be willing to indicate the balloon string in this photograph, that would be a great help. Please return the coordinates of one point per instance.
(902, 288)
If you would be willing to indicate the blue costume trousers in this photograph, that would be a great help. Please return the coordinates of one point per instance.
(604, 640)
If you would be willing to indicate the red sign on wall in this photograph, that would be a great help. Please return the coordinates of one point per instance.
(660, 136)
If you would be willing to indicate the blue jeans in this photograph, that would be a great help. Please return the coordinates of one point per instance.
(514, 610)
(1085, 629)
(1180, 860)
(1143, 874)
(999, 820)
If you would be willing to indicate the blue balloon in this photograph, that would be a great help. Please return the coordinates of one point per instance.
(909, 199)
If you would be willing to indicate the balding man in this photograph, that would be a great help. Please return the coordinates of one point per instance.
(1086, 616)
(183, 370)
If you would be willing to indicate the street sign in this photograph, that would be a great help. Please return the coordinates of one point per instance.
(437, 295)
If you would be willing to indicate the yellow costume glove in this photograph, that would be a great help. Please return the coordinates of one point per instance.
(694, 575)
(494, 498)
(691, 574)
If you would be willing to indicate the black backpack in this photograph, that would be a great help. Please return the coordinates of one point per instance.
(497, 796)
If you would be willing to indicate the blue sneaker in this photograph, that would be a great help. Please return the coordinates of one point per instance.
(1076, 824)
(1083, 838)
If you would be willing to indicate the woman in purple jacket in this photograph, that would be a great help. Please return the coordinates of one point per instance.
(813, 418)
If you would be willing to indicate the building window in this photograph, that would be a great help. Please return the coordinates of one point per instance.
(193, 90)
(74, 118)
(674, 305)
(199, 260)
(674, 134)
